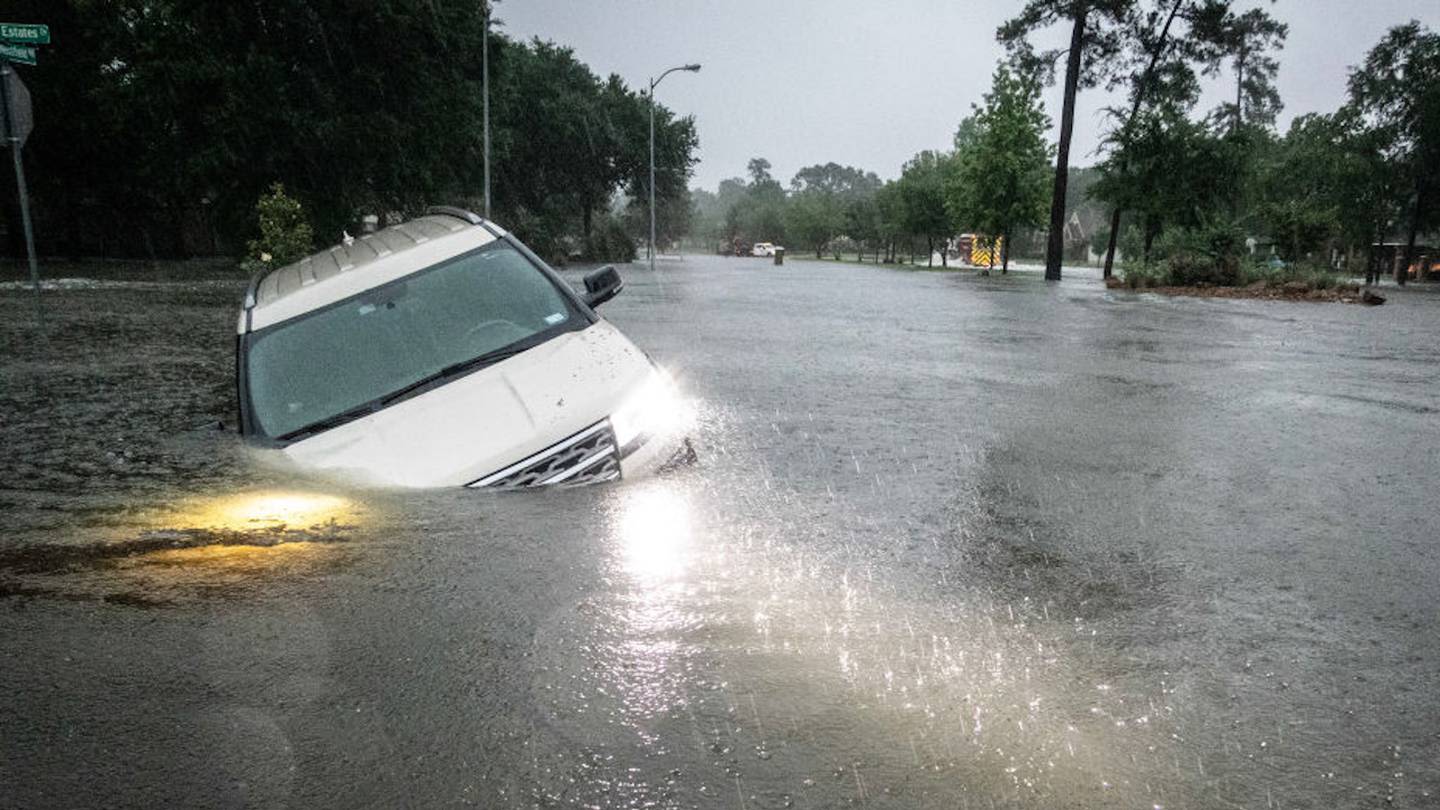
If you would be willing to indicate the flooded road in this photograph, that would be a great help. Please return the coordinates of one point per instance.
(952, 542)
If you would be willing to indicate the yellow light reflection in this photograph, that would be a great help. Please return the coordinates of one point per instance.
(654, 534)
(266, 510)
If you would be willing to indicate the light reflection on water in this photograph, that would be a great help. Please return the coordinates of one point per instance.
(770, 673)
(652, 536)
(653, 531)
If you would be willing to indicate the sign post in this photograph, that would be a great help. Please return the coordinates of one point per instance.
(16, 116)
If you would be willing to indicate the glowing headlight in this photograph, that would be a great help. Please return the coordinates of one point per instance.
(654, 409)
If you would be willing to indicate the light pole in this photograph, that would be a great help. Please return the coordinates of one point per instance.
(485, 91)
(653, 83)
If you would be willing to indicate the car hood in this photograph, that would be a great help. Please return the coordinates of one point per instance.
(484, 421)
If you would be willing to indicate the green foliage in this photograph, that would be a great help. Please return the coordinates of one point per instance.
(192, 109)
(1207, 254)
(1247, 40)
(758, 211)
(285, 234)
(812, 220)
(1299, 275)
(611, 241)
(1395, 94)
(1211, 253)
(829, 200)
(890, 209)
(1140, 275)
(998, 180)
(1099, 240)
(1170, 171)
(1107, 25)
(922, 197)
(712, 220)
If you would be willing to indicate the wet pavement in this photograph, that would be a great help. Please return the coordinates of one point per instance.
(953, 542)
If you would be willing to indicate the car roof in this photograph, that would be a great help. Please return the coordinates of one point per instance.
(358, 264)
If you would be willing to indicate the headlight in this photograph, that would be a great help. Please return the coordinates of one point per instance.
(654, 409)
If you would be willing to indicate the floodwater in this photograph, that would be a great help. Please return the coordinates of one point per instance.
(952, 542)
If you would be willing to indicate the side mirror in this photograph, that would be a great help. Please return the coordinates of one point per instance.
(602, 285)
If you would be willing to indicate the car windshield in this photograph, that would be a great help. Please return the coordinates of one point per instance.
(307, 372)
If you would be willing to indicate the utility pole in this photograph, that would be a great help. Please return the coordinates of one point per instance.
(485, 93)
(653, 82)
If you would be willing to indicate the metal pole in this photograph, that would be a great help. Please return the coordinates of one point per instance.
(20, 189)
(651, 251)
(485, 91)
(653, 82)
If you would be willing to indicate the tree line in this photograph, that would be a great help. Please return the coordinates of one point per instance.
(992, 182)
(160, 123)
(1175, 180)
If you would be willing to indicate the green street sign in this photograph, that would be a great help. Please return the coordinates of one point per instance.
(17, 53)
(25, 33)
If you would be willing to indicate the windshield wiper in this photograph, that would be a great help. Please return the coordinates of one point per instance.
(332, 421)
(452, 370)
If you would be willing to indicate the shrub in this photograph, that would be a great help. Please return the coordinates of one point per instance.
(610, 242)
(285, 233)
(1208, 254)
(1141, 275)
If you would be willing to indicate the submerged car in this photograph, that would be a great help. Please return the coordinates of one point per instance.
(442, 351)
(764, 249)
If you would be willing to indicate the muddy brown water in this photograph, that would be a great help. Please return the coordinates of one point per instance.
(952, 542)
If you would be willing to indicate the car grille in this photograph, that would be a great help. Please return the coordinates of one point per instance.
(588, 457)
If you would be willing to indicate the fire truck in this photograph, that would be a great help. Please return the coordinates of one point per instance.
(978, 250)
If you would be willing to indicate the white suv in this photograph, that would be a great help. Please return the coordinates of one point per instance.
(443, 352)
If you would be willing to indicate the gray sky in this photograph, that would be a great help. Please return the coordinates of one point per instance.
(871, 82)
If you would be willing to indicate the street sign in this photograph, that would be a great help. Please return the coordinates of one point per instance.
(25, 33)
(19, 54)
(16, 121)
(20, 115)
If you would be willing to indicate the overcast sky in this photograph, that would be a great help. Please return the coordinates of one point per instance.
(871, 82)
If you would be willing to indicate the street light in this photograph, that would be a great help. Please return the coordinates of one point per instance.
(653, 83)
(485, 90)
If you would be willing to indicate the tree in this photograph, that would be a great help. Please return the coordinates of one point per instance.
(191, 110)
(759, 215)
(922, 196)
(1001, 167)
(1169, 171)
(1304, 186)
(862, 218)
(711, 209)
(1395, 93)
(1248, 40)
(1157, 70)
(759, 170)
(813, 219)
(827, 200)
(890, 210)
(1096, 36)
(285, 234)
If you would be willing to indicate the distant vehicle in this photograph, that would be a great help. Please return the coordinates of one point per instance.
(764, 249)
(442, 351)
(978, 250)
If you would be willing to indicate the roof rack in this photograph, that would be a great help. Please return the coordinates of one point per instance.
(441, 210)
(459, 213)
